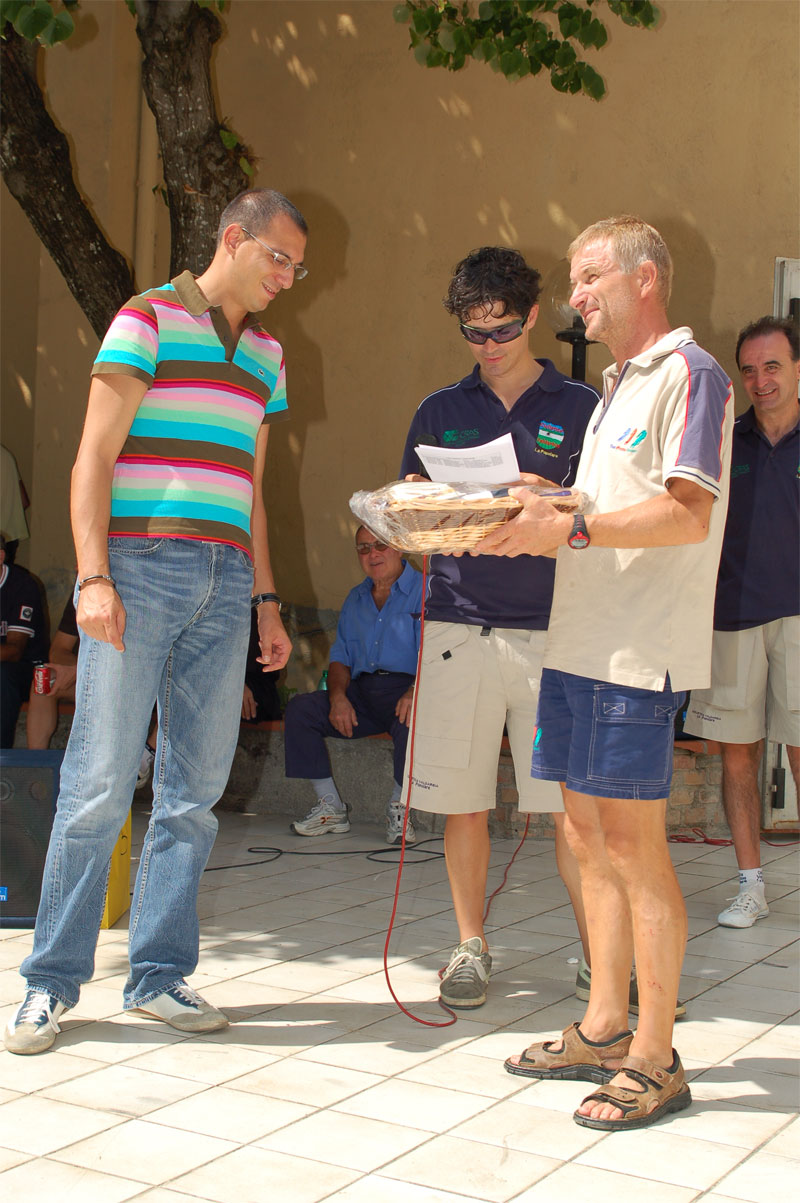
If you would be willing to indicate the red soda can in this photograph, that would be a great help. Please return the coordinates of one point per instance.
(42, 677)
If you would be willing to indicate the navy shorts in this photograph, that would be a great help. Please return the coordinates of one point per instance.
(608, 741)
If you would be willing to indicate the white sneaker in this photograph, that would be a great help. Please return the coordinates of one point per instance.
(745, 909)
(145, 766)
(395, 817)
(34, 1026)
(325, 818)
(183, 1008)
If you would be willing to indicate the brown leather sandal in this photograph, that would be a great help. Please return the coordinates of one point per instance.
(578, 1060)
(664, 1091)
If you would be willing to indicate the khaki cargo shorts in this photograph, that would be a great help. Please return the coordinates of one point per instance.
(755, 686)
(473, 682)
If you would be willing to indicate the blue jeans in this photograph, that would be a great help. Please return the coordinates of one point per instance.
(188, 620)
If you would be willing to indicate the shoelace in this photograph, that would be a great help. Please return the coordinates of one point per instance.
(462, 968)
(188, 994)
(744, 902)
(36, 1009)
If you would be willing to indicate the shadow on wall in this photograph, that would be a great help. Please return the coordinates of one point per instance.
(693, 288)
(293, 531)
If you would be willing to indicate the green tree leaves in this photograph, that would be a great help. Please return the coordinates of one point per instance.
(514, 40)
(37, 20)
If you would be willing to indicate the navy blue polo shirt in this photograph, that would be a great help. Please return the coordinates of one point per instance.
(759, 571)
(547, 425)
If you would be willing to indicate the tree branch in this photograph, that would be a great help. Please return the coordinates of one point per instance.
(37, 167)
(200, 174)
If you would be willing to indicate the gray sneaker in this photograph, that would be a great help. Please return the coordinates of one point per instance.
(583, 984)
(34, 1026)
(395, 817)
(323, 819)
(465, 981)
(184, 1009)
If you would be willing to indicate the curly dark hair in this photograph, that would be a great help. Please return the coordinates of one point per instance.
(490, 276)
(771, 325)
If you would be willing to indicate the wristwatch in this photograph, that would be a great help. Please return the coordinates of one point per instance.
(579, 536)
(260, 598)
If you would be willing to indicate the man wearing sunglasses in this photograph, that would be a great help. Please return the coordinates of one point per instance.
(370, 687)
(486, 618)
(171, 539)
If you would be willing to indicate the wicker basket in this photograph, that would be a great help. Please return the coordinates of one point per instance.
(424, 516)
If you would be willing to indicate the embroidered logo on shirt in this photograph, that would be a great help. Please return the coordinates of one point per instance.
(739, 470)
(629, 440)
(459, 437)
(550, 435)
(26, 613)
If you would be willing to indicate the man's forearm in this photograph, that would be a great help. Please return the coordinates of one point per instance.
(339, 678)
(90, 507)
(679, 515)
(662, 521)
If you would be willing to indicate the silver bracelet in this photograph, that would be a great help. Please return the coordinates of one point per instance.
(97, 576)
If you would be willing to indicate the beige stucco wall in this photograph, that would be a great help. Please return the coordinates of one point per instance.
(400, 171)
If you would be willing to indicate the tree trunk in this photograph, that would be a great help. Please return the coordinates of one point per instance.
(200, 174)
(36, 166)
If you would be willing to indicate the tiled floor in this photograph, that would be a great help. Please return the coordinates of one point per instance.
(322, 1089)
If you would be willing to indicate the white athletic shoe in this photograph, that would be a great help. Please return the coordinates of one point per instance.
(324, 819)
(744, 910)
(395, 816)
(183, 1008)
(145, 767)
(34, 1025)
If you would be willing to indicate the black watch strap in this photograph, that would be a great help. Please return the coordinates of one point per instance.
(259, 598)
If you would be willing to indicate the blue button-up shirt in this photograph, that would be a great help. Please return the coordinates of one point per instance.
(368, 639)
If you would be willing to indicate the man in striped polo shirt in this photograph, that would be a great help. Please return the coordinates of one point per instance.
(171, 538)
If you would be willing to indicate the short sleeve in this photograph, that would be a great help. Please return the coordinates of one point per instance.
(694, 436)
(130, 347)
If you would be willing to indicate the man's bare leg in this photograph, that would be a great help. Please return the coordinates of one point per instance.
(467, 849)
(632, 887)
(742, 800)
(570, 873)
(794, 764)
(41, 720)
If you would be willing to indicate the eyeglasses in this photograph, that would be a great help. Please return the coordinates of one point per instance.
(500, 334)
(364, 549)
(281, 261)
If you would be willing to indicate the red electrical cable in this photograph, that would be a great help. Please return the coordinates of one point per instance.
(428, 1023)
(412, 731)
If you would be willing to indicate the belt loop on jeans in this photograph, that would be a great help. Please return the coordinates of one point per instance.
(486, 631)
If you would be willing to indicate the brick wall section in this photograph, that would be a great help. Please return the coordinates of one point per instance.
(363, 771)
(695, 798)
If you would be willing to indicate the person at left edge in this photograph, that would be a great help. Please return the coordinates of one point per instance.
(171, 538)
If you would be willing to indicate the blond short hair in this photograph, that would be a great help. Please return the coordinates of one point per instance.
(633, 242)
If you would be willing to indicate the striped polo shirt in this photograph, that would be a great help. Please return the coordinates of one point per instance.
(186, 468)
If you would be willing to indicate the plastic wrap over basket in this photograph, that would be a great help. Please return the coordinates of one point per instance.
(426, 516)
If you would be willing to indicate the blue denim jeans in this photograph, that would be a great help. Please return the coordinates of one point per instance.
(188, 621)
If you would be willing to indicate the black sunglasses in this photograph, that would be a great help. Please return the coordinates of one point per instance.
(500, 334)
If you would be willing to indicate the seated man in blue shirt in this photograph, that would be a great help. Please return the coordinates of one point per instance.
(370, 687)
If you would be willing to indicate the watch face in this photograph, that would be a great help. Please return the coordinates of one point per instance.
(579, 538)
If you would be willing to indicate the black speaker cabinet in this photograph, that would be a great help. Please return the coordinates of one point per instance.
(28, 794)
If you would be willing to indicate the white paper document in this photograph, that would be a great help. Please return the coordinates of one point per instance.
(493, 463)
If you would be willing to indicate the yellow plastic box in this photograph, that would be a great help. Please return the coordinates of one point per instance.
(118, 895)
